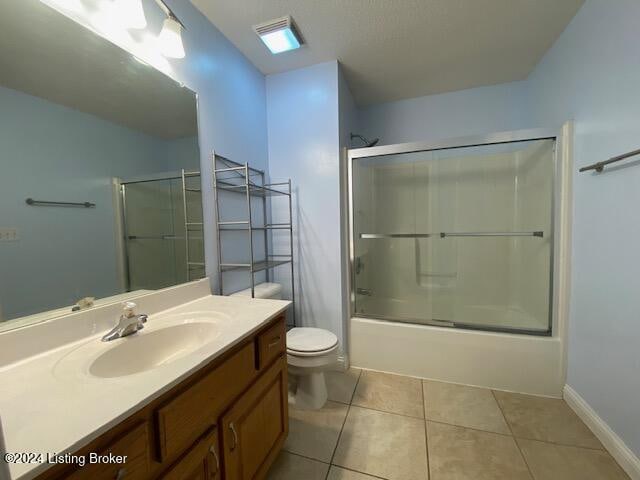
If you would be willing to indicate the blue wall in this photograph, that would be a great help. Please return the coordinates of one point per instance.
(435, 117)
(304, 145)
(592, 75)
(51, 152)
(232, 115)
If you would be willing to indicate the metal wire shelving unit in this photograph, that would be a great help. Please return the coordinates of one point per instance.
(191, 227)
(243, 180)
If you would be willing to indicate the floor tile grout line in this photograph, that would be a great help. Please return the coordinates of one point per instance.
(358, 471)
(305, 457)
(335, 449)
(471, 428)
(515, 440)
(355, 387)
(426, 433)
(386, 411)
(549, 442)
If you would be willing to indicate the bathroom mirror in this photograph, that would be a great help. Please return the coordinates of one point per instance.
(100, 191)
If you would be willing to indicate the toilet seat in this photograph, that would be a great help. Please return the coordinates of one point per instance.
(310, 342)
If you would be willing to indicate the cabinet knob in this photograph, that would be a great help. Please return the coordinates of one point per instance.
(274, 341)
(120, 474)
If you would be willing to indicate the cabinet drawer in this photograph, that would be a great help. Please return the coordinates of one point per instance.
(133, 445)
(190, 414)
(272, 343)
(201, 462)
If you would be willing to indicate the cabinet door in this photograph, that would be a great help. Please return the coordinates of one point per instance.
(201, 462)
(184, 418)
(256, 426)
(133, 446)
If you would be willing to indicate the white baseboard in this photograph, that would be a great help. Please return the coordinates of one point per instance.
(611, 441)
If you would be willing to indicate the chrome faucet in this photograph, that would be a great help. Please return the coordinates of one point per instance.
(128, 324)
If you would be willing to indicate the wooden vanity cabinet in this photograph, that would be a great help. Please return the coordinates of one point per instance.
(201, 462)
(183, 418)
(134, 444)
(227, 421)
(255, 428)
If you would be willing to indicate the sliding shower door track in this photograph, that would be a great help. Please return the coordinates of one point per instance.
(434, 322)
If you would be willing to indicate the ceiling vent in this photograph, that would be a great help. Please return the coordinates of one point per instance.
(279, 35)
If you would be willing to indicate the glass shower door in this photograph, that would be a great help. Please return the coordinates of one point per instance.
(457, 237)
(150, 225)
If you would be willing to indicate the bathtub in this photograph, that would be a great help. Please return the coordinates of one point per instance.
(502, 361)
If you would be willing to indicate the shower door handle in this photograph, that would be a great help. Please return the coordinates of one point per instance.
(363, 291)
(359, 265)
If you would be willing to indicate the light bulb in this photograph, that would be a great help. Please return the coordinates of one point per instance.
(131, 13)
(170, 39)
(147, 52)
(107, 22)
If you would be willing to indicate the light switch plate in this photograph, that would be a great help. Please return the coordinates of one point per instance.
(9, 234)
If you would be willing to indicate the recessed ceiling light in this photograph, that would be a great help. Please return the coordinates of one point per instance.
(279, 35)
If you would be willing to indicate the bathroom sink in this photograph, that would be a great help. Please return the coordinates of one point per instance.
(145, 351)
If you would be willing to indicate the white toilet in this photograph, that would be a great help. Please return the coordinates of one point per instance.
(310, 352)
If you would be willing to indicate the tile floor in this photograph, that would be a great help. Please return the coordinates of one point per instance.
(390, 427)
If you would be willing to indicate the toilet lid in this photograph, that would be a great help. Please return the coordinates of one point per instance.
(310, 340)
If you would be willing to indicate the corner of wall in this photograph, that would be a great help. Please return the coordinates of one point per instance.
(611, 441)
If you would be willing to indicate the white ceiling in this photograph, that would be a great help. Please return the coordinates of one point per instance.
(44, 53)
(395, 49)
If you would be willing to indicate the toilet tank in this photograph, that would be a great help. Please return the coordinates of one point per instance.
(263, 290)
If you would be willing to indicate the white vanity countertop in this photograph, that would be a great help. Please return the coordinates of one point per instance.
(50, 403)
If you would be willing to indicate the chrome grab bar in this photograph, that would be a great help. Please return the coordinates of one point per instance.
(398, 235)
(537, 233)
(493, 234)
(37, 203)
(599, 166)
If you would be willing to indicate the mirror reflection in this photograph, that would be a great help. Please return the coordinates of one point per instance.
(100, 190)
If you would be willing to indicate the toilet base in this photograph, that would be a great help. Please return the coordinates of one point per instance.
(308, 392)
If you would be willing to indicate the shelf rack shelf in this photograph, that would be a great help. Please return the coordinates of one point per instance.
(233, 177)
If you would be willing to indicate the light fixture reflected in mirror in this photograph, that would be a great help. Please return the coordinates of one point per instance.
(170, 39)
(70, 5)
(108, 22)
(131, 13)
(148, 52)
(114, 18)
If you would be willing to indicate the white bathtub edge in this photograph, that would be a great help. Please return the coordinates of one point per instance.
(516, 363)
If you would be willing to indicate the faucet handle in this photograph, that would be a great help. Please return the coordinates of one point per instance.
(129, 309)
(142, 319)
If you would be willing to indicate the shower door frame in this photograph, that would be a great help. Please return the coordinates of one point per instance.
(557, 135)
(120, 184)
